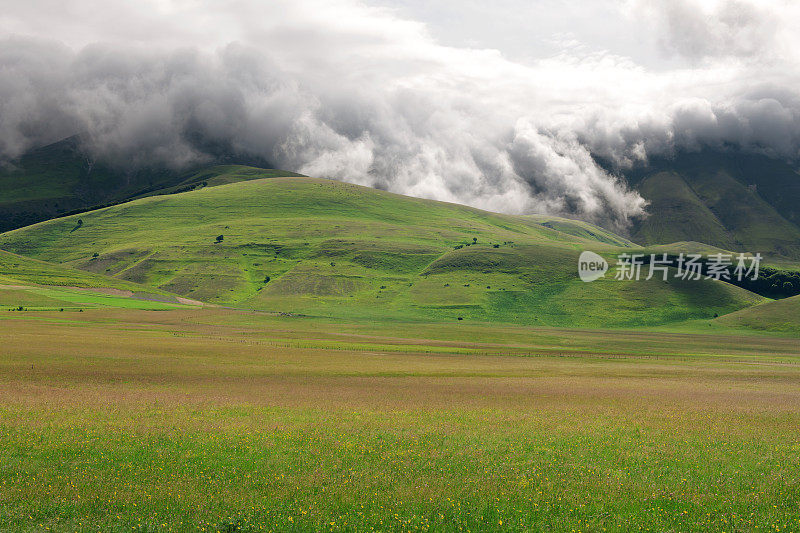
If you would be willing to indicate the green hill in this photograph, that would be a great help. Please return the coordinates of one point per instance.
(326, 248)
(734, 201)
(61, 178)
(780, 315)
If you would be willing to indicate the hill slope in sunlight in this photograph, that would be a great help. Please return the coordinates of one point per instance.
(314, 246)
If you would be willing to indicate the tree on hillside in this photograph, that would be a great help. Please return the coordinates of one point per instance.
(219, 238)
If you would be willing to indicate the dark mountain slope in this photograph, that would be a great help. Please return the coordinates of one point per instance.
(733, 201)
(61, 178)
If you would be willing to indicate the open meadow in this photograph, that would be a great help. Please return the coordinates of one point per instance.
(399, 265)
(211, 419)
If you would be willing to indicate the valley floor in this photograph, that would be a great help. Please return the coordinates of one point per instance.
(224, 420)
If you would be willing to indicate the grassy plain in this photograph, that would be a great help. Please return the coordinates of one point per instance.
(230, 420)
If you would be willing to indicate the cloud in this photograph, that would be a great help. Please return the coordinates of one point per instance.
(717, 28)
(355, 92)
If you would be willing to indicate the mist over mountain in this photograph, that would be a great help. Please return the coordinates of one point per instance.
(361, 93)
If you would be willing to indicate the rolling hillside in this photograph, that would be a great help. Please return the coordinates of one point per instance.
(733, 201)
(326, 248)
(32, 284)
(776, 316)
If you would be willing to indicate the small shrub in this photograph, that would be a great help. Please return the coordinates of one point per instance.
(220, 238)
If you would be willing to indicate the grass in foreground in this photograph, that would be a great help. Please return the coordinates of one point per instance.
(224, 421)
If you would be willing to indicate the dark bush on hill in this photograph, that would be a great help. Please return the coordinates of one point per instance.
(771, 282)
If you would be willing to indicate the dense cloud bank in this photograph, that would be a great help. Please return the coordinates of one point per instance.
(375, 100)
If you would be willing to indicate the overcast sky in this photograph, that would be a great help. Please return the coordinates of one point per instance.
(500, 105)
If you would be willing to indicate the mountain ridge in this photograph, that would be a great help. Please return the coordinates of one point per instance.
(61, 178)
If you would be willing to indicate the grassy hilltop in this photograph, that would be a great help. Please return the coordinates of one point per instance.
(326, 248)
(735, 201)
(781, 315)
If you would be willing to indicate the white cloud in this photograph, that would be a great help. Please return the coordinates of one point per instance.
(360, 93)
